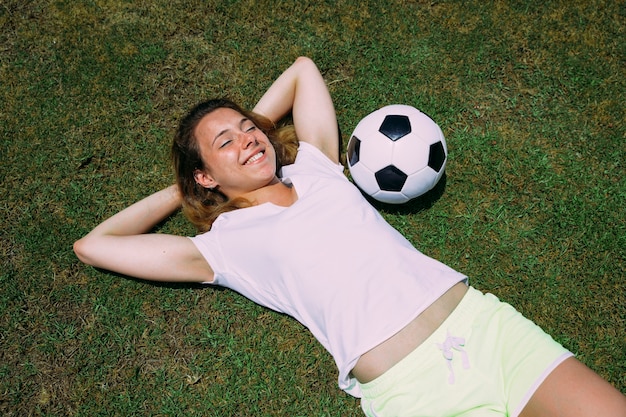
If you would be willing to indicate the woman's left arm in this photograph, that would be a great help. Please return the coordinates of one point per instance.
(301, 89)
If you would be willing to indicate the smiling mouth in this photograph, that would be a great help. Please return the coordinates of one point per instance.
(254, 158)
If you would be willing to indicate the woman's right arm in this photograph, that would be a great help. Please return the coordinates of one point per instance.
(122, 244)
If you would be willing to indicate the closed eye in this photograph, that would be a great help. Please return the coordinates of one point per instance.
(248, 126)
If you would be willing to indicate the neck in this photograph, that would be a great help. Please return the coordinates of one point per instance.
(275, 192)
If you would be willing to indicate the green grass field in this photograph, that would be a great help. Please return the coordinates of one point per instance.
(530, 95)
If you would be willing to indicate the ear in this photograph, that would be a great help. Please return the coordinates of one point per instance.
(204, 179)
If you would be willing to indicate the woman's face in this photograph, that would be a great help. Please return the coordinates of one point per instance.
(238, 156)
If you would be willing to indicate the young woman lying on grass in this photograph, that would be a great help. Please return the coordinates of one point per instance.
(283, 226)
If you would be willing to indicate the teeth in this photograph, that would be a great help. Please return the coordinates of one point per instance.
(254, 158)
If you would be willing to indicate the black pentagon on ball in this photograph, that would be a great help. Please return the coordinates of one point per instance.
(354, 150)
(437, 156)
(390, 178)
(395, 126)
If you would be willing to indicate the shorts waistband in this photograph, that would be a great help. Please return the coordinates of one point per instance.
(460, 320)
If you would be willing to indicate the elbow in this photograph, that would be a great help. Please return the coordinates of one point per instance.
(81, 250)
(305, 60)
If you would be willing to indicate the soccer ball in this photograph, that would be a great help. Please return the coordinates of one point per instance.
(396, 154)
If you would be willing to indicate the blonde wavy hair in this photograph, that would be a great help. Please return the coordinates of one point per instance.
(203, 205)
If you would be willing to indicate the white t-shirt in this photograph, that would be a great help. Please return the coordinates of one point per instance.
(329, 260)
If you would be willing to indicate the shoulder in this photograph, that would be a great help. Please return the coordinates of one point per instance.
(310, 159)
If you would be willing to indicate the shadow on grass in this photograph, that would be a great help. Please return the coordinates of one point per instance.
(163, 284)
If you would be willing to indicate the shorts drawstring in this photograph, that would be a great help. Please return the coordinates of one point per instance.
(446, 347)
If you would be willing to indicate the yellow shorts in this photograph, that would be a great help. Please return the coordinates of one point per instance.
(485, 359)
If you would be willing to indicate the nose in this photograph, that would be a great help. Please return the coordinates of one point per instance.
(248, 139)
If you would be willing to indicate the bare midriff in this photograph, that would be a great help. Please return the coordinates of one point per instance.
(381, 358)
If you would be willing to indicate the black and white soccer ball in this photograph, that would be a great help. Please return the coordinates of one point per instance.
(396, 153)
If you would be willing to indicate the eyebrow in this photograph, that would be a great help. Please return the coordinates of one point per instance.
(241, 122)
